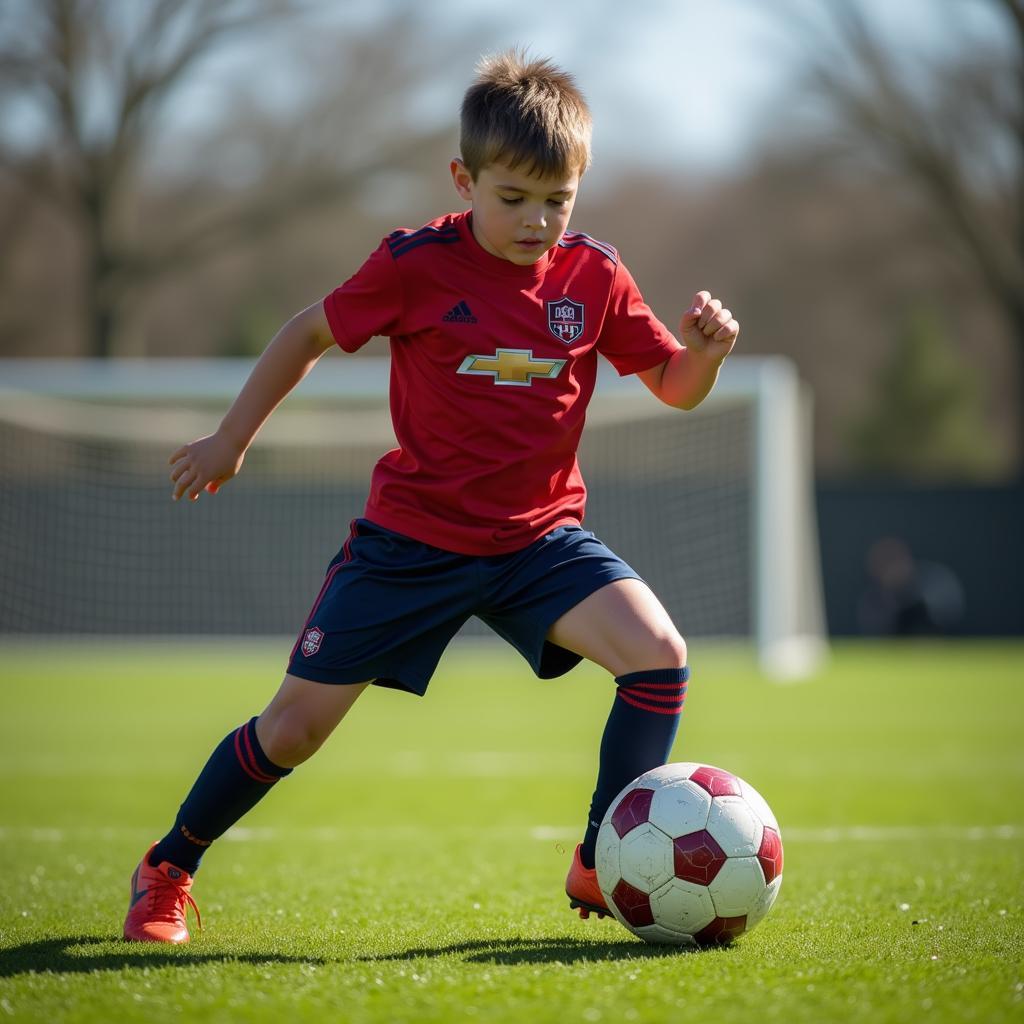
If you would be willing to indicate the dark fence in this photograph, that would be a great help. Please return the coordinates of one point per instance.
(903, 560)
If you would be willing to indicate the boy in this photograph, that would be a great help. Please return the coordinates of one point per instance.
(495, 317)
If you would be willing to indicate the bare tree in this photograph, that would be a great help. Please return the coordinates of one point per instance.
(83, 85)
(951, 125)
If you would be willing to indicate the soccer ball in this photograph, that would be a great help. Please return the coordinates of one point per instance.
(689, 854)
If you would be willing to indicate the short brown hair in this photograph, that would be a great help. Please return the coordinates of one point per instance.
(524, 112)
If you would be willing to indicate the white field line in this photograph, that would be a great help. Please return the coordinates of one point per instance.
(541, 833)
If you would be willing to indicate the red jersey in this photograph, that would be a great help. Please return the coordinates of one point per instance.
(492, 367)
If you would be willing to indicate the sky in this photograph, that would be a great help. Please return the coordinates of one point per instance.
(694, 82)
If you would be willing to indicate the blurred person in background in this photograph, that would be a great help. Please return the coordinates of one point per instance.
(908, 596)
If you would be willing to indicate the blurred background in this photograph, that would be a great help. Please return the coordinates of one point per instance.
(178, 178)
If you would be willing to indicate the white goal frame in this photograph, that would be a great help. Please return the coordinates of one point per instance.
(786, 599)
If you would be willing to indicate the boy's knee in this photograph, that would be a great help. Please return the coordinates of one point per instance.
(288, 736)
(671, 651)
(660, 650)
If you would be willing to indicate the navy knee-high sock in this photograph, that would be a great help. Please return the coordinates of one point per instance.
(638, 737)
(237, 776)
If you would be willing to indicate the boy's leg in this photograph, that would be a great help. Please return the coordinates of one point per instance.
(624, 628)
(240, 772)
(249, 760)
(303, 713)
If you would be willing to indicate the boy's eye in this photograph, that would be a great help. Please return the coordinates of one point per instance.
(516, 200)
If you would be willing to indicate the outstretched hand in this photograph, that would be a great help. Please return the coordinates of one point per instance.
(204, 465)
(708, 328)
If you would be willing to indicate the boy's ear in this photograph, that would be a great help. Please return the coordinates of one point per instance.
(462, 179)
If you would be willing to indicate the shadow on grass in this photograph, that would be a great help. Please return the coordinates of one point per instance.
(72, 955)
(537, 951)
(85, 954)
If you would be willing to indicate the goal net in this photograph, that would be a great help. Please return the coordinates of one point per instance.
(713, 507)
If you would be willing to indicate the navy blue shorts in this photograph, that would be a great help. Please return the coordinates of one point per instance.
(390, 604)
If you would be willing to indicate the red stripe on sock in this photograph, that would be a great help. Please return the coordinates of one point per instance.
(677, 695)
(675, 709)
(252, 772)
(253, 762)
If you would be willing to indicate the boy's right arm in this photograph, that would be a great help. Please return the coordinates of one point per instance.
(210, 461)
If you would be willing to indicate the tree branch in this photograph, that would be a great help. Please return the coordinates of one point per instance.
(882, 112)
(265, 215)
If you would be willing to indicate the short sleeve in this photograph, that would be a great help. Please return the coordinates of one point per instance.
(632, 337)
(368, 304)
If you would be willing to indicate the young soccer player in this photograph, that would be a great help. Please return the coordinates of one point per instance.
(496, 318)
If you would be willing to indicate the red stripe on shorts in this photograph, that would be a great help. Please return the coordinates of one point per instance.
(346, 551)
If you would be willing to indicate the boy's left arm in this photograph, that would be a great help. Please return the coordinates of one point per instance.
(686, 378)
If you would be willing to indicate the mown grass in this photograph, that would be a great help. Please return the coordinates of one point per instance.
(412, 871)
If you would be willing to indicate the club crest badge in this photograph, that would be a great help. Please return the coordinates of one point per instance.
(565, 319)
(312, 640)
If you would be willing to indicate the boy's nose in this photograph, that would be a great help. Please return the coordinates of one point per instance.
(534, 219)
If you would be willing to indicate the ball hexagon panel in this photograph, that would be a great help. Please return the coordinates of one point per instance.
(631, 904)
(760, 805)
(770, 854)
(631, 810)
(716, 781)
(683, 907)
(721, 931)
(646, 857)
(735, 826)
(736, 889)
(698, 858)
(680, 808)
(606, 857)
(764, 903)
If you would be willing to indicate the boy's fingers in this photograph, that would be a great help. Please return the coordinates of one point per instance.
(716, 322)
(699, 301)
(183, 484)
(711, 307)
(180, 453)
(727, 332)
(179, 470)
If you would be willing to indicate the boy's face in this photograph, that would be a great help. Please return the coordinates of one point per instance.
(517, 216)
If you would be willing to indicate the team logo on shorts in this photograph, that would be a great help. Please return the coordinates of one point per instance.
(565, 319)
(312, 640)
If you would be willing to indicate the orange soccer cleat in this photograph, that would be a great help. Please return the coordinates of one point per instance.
(160, 896)
(582, 889)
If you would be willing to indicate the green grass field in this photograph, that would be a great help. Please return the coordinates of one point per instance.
(413, 870)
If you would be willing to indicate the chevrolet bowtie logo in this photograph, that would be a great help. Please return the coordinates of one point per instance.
(512, 366)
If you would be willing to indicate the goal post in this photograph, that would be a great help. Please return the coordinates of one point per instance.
(784, 589)
(713, 507)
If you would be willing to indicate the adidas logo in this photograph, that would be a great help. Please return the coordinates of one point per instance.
(459, 314)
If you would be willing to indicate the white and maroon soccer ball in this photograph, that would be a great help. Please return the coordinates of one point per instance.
(689, 854)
